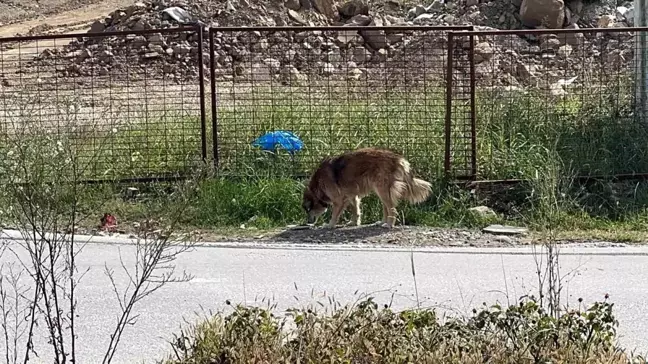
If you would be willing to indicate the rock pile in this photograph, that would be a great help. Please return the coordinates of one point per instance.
(286, 56)
(354, 54)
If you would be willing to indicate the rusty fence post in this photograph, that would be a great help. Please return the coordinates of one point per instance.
(214, 114)
(201, 77)
(448, 115)
(473, 110)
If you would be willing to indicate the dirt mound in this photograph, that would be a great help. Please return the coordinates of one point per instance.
(285, 56)
(388, 58)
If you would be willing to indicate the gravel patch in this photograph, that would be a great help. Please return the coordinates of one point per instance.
(376, 235)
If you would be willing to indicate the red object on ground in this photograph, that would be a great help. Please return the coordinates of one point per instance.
(108, 222)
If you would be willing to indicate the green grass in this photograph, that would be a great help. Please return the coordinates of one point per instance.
(412, 124)
(533, 136)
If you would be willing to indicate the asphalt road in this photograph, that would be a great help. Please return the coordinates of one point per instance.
(454, 279)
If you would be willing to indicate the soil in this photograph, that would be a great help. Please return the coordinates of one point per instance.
(370, 236)
(20, 16)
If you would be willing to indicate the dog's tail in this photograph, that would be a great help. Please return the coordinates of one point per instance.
(416, 190)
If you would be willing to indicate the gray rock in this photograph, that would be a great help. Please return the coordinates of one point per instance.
(156, 48)
(151, 55)
(83, 54)
(436, 5)
(549, 43)
(105, 56)
(380, 56)
(504, 239)
(524, 72)
(346, 37)
(483, 52)
(449, 19)
(360, 20)
(157, 39)
(355, 73)
(292, 75)
(352, 8)
(621, 12)
(293, 5)
(290, 55)
(483, 211)
(629, 16)
(296, 17)
(394, 20)
(548, 13)
(139, 41)
(565, 51)
(606, 21)
(182, 49)
(140, 25)
(98, 26)
(136, 8)
(505, 230)
(178, 14)
(360, 55)
(573, 39)
(416, 11)
(375, 38)
(425, 19)
(326, 8)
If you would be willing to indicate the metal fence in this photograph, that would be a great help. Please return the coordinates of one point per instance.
(130, 104)
(551, 96)
(335, 88)
(475, 104)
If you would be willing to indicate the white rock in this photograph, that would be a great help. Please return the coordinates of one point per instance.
(483, 211)
(621, 12)
(425, 19)
(606, 21)
(416, 11)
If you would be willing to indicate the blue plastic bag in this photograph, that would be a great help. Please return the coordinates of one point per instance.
(286, 139)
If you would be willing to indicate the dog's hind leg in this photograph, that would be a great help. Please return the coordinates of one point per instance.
(389, 207)
(355, 211)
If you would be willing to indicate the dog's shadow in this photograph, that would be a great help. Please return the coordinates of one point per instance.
(339, 235)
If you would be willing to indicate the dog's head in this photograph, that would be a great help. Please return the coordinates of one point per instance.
(313, 205)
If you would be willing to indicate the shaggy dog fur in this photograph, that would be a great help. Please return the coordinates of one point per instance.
(343, 180)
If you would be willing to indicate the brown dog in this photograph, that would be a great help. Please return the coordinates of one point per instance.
(345, 179)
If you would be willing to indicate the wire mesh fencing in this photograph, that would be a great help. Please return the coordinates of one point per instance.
(477, 104)
(334, 89)
(553, 102)
(127, 105)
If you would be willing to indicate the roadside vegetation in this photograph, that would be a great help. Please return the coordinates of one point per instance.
(548, 142)
(366, 332)
(45, 198)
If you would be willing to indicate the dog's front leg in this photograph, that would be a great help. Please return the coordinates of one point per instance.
(335, 215)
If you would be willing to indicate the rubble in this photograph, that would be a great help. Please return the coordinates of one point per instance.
(295, 57)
